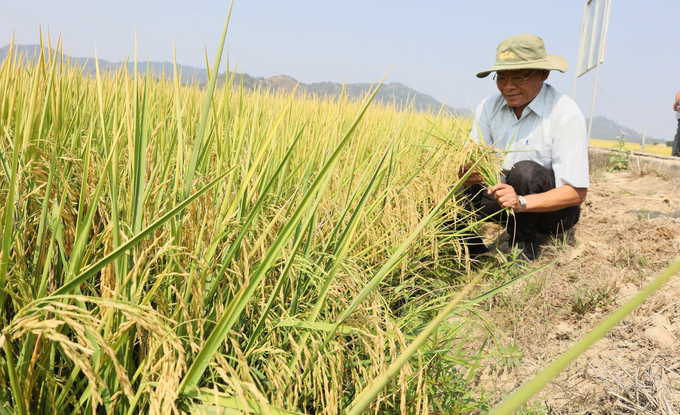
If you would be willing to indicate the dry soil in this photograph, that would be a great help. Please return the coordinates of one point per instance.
(628, 233)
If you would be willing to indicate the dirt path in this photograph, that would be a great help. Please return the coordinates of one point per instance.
(629, 231)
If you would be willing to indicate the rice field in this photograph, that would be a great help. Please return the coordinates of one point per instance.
(174, 249)
(649, 148)
(168, 248)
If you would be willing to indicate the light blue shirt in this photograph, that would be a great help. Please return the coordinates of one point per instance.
(551, 132)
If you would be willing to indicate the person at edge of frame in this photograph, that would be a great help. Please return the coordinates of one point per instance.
(675, 151)
(544, 133)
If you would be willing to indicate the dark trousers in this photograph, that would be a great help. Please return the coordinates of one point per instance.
(675, 150)
(526, 177)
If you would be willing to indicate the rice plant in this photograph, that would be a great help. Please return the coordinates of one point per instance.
(174, 249)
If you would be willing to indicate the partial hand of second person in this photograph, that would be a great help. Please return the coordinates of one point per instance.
(473, 178)
(505, 195)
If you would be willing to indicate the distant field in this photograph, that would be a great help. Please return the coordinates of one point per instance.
(654, 149)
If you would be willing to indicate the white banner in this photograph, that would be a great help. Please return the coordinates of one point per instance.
(593, 41)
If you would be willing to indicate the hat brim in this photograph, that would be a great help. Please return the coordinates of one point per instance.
(551, 63)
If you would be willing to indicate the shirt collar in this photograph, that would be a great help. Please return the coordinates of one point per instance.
(537, 105)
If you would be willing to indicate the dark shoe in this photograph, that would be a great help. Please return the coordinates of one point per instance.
(530, 250)
(475, 246)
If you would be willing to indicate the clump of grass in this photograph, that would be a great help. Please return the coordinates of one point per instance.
(589, 299)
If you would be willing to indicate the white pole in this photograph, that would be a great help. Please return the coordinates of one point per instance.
(644, 134)
(603, 38)
(592, 104)
(580, 48)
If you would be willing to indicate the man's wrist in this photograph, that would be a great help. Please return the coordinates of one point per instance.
(522, 203)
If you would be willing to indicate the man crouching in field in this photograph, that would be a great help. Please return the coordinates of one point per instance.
(544, 133)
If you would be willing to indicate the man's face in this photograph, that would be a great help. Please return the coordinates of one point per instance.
(519, 96)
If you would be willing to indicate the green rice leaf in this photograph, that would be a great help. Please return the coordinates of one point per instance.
(198, 141)
(71, 286)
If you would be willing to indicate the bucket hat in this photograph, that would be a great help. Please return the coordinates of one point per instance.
(524, 51)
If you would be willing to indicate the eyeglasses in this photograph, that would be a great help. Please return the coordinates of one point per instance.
(517, 80)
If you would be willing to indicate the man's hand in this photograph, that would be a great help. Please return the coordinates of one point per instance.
(505, 196)
(473, 178)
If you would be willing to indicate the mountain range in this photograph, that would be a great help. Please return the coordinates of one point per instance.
(391, 92)
(606, 129)
(401, 95)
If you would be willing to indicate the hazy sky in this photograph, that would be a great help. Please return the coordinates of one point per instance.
(435, 47)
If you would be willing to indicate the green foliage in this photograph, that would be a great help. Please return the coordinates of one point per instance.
(450, 380)
(589, 299)
(618, 157)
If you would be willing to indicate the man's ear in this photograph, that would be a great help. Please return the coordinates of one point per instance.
(545, 75)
